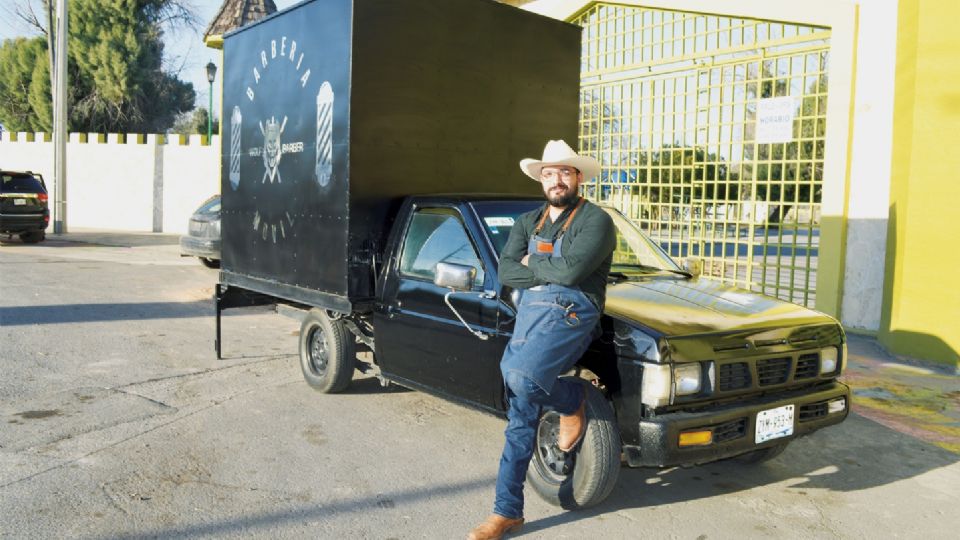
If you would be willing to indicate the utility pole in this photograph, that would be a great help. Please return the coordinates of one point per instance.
(60, 121)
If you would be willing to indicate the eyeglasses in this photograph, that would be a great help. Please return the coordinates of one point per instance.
(552, 176)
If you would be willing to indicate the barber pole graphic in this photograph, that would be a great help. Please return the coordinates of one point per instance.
(324, 168)
(236, 120)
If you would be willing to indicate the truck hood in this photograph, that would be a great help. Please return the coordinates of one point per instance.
(678, 307)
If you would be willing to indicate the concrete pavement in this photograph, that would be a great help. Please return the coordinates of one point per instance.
(117, 421)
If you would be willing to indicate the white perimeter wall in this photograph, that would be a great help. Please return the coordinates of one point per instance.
(130, 186)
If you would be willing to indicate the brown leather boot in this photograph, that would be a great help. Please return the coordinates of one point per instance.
(494, 527)
(573, 427)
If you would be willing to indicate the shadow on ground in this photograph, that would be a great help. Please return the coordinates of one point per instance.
(371, 385)
(267, 520)
(828, 460)
(73, 313)
(101, 239)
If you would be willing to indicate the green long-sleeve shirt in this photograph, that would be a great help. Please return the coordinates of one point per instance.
(586, 249)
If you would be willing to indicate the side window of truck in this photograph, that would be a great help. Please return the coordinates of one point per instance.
(436, 235)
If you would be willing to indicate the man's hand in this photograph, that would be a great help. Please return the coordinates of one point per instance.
(525, 260)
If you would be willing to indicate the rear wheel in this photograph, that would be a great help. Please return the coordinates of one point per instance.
(33, 237)
(327, 352)
(584, 477)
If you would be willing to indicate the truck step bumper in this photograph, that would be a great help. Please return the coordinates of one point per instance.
(734, 428)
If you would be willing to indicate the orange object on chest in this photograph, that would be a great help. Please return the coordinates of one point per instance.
(544, 247)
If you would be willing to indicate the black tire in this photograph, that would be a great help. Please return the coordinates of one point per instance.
(762, 455)
(33, 237)
(584, 477)
(327, 353)
(210, 263)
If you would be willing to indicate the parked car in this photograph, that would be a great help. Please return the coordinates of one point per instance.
(23, 206)
(203, 234)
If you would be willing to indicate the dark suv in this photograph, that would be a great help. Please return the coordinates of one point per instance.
(23, 206)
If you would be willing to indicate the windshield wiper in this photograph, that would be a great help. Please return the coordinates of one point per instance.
(683, 273)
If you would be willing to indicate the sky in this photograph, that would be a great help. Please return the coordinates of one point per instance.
(184, 51)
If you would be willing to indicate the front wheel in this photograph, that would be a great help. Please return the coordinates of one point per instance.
(327, 353)
(586, 476)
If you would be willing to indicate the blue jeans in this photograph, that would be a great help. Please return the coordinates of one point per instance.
(554, 327)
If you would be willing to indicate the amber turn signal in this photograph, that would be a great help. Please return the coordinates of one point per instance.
(696, 438)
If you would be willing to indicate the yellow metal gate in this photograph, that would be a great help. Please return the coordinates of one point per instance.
(710, 130)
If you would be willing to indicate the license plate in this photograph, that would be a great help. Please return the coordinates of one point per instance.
(19, 202)
(774, 423)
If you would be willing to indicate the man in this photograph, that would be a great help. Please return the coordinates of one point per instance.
(559, 256)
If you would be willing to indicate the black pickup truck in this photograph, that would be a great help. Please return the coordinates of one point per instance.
(333, 169)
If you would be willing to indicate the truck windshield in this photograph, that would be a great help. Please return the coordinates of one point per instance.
(634, 252)
(498, 218)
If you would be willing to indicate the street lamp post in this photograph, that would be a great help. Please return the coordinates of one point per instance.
(211, 75)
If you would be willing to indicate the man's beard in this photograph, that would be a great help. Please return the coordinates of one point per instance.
(561, 201)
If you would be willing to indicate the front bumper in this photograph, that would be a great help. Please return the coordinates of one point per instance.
(659, 435)
(194, 246)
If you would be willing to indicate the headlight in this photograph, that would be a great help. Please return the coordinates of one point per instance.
(662, 381)
(829, 358)
(657, 383)
(686, 379)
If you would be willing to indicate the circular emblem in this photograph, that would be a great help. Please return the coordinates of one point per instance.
(270, 133)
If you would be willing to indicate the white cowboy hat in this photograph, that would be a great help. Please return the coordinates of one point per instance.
(560, 153)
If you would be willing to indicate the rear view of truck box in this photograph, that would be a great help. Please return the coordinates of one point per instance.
(334, 110)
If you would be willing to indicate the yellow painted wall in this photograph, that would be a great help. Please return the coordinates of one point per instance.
(921, 307)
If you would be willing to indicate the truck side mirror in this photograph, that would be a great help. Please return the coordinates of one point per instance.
(455, 276)
(459, 279)
(693, 265)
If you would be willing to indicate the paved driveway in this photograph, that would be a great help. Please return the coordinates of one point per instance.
(117, 421)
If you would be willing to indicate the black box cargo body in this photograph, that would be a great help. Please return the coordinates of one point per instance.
(336, 109)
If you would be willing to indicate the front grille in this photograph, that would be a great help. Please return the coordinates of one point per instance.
(762, 373)
(773, 371)
(812, 411)
(730, 430)
(734, 376)
(807, 366)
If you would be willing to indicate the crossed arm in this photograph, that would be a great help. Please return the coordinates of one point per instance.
(592, 244)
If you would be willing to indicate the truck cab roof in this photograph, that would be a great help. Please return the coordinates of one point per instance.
(474, 197)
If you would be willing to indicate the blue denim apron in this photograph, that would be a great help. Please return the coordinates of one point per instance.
(554, 324)
(553, 329)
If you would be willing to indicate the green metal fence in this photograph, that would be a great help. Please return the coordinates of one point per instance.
(710, 130)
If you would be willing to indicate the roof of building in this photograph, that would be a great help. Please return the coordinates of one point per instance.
(236, 13)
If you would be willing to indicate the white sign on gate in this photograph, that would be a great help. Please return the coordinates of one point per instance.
(775, 120)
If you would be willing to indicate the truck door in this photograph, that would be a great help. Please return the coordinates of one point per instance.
(418, 338)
